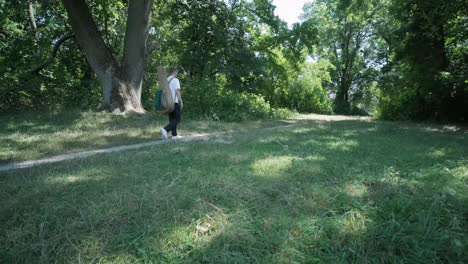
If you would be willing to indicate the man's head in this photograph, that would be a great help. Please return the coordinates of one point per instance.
(173, 71)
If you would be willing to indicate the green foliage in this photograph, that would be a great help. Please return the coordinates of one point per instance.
(403, 59)
(245, 43)
(66, 82)
(210, 99)
(307, 94)
(237, 40)
(427, 75)
(346, 40)
(207, 38)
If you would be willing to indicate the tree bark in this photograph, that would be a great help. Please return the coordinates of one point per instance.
(134, 52)
(121, 84)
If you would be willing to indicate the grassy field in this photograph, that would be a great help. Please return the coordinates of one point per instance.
(33, 136)
(340, 191)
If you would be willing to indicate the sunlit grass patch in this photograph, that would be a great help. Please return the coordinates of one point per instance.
(199, 233)
(356, 190)
(340, 144)
(84, 176)
(272, 166)
(438, 153)
(353, 222)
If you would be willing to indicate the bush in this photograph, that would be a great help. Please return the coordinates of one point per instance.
(282, 113)
(209, 99)
(307, 94)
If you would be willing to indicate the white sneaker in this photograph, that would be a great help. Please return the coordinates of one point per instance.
(163, 133)
(177, 137)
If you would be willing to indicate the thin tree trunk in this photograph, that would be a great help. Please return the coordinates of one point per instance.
(441, 61)
(32, 18)
(133, 62)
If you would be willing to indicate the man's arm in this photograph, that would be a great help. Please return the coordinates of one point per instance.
(181, 103)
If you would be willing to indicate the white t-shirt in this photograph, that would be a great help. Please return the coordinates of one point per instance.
(174, 85)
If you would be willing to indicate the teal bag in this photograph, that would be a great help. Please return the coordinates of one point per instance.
(158, 101)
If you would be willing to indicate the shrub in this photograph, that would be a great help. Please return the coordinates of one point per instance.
(210, 100)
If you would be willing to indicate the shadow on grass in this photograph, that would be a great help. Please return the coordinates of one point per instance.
(335, 192)
(38, 122)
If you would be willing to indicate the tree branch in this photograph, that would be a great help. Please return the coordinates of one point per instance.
(150, 47)
(54, 52)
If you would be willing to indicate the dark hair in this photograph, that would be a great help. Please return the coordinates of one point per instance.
(172, 70)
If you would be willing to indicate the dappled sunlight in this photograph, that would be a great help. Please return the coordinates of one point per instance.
(284, 195)
(273, 139)
(311, 142)
(355, 190)
(353, 222)
(91, 177)
(85, 249)
(443, 129)
(23, 138)
(342, 145)
(461, 171)
(451, 179)
(313, 157)
(334, 141)
(439, 153)
(395, 179)
(71, 132)
(198, 233)
(351, 133)
(28, 127)
(303, 130)
(431, 128)
(272, 166)
(334, 117)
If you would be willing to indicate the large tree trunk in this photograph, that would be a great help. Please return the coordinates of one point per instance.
(134, 53)
(121, 85)
(341, 99)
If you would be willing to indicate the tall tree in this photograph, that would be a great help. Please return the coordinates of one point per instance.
(345, 29)
(429, 61)
(121, 82)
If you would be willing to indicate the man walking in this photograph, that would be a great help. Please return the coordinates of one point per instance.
(174, 116)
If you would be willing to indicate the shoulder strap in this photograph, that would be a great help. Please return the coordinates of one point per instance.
(171, 80)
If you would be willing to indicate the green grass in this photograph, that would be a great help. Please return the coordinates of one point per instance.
(35, 136)
(320, 192)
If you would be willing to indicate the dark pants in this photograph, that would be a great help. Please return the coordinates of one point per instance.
(174, 119)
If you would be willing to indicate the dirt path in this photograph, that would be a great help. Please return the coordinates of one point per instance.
(85, 154)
